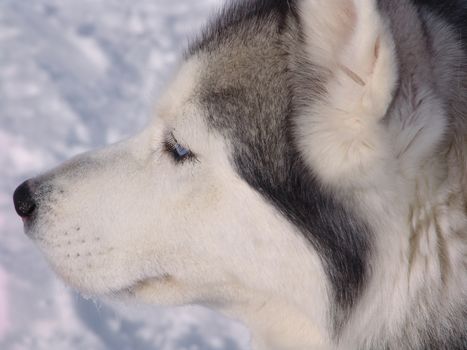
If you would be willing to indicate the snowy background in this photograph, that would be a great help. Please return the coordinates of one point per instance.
(75, 75)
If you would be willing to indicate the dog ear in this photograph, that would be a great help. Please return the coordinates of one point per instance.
(340, 135)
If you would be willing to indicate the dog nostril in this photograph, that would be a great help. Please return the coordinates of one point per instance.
(24, 201)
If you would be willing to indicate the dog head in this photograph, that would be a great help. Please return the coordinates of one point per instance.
(169, 209)
(223, 199)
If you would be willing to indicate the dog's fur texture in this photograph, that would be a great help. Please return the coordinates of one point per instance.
(324, 198)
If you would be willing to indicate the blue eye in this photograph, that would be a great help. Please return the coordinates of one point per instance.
(176, 150)
(180, 150)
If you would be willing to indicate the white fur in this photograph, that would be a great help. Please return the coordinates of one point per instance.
(128, 222)
(163, 233)
(341, 134)
(391, 172)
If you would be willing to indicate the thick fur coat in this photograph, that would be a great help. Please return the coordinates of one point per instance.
(306, 173)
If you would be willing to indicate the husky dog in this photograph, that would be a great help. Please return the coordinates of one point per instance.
(305, 173)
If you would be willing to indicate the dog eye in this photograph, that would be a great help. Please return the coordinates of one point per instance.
(176, 150)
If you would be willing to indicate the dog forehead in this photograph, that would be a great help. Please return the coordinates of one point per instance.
(242, 84)
(235, 83)
(233, 69)
(235, 96)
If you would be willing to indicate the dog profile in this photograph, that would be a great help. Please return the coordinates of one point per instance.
(305, 172)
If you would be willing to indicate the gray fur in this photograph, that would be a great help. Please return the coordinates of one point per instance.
(257, 78)
(247, 95)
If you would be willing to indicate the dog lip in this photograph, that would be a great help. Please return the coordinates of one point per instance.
(28, 219)
(28, 224)
(129, 290)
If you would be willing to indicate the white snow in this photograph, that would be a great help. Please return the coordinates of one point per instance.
(91, 49)
(75, 75)
(4, 310)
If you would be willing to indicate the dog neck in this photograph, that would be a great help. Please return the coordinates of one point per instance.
(277, 324)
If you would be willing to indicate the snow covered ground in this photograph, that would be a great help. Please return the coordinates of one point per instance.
(75, 75)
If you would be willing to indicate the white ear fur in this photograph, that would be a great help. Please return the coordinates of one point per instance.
(341, 135)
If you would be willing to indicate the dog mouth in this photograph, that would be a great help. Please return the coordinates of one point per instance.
(130, 290)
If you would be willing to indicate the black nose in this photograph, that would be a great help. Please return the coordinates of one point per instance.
(24, 202)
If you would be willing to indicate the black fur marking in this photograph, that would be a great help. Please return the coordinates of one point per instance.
(452, 11)
(254, 107)
(337, 235)
(255, 80)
